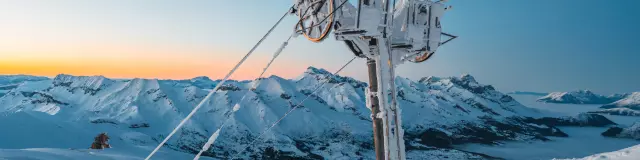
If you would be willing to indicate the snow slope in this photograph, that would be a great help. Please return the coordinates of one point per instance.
(632, 101)
(628, 106)
(333, 124)
(84, 154)
(579, 97)
(631, 153)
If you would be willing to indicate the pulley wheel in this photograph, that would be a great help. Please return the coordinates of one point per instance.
(316, 19)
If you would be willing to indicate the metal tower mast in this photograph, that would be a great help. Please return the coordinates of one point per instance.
(386, 35)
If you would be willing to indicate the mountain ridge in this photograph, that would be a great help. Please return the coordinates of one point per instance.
(334, 123)
(580, 97)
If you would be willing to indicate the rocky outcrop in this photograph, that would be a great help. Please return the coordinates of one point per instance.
(617, 112)
(582, 119)
(631, 132)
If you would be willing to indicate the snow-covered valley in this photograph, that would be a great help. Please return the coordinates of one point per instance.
(582, 141)
(443, 117)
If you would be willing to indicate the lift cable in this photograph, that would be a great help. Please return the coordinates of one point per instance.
(214, 136)
(292, 109)
(216, 88)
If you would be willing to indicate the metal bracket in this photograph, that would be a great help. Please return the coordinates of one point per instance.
(451, 37)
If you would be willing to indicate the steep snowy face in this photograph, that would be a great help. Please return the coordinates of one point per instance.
(632, 101)
(467, 93)
(579, 97)
(313, 75)
(459, 110)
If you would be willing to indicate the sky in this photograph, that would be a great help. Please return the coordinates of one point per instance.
(541, 45)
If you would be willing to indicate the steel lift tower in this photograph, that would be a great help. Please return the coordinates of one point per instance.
(387, 34)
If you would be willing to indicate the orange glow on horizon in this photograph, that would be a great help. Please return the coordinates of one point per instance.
(171, 66)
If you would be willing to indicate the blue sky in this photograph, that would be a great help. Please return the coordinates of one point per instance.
(540, 45)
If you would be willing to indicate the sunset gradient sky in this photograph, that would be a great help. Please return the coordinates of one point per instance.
(541, 45)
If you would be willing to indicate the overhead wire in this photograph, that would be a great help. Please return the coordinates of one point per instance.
(292, 109)
(216, 88)
(214, 136)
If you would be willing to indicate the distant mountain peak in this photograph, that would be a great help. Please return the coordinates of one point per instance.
(201, 78)
(585, 91)
(314, 70)
(528, 93)
(321, 75)
(468, 78)
(579, 97)
(68, 76)
(631, 101)
(16, 79)
(92, 82)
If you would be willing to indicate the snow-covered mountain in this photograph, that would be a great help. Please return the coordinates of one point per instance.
(579, 97)
(631, 101)
(618, 111)
(14, 79)
(582, 119)
(334, 124)
(8, 82)
(632, 131)
(628, 106)
(528, 93)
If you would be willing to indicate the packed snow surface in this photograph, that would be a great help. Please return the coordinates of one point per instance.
(631, 153)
